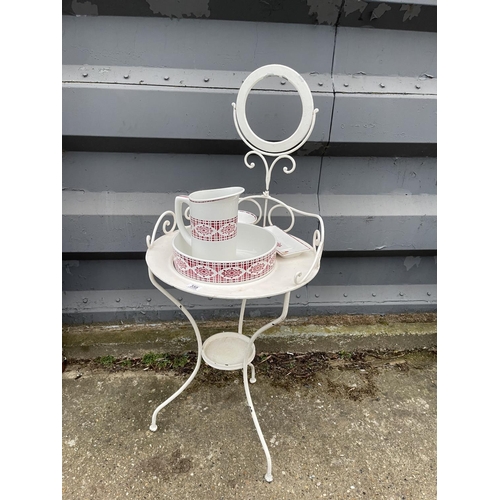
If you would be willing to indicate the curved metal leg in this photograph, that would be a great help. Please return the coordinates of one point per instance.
(153, 427)
(268, 476)
(242, 315)
(240, 331)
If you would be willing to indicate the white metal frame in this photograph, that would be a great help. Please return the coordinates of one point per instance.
(288, 275)
(306, 125)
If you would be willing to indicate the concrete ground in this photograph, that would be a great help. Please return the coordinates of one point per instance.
(341, 426)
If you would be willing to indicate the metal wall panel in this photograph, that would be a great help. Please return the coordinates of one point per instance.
(379, 203)
(384, 118)
(366, 203)
(389, 53)
(186, 113)
(84, 307)
(166, 173)
(368, 175)
(195, 44)
(180, 113)
(376, 222)
(130, 78)
(420, 15)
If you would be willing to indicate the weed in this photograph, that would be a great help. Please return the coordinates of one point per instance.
(180, 361)
(345, 355)
(106, 360)
(162, 362)
(150, 359)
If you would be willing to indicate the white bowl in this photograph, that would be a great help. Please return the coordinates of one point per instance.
(255, 258)
(246, 217)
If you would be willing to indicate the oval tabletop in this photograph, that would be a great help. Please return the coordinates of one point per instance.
(159, 258)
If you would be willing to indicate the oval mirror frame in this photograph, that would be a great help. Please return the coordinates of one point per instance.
(307, 118)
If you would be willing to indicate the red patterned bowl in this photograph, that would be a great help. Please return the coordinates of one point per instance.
(255, 258)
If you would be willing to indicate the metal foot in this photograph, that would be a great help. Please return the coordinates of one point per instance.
(268, 477)
(153, 427)
(252, 378)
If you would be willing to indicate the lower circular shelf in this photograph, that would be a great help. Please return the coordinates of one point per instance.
(225, 350)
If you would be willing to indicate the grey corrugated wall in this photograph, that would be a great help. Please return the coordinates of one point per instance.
(147, 91)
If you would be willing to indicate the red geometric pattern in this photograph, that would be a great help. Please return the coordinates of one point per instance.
(214, 230)
(224, 272)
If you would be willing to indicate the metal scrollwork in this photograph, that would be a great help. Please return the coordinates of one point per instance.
(287, 208)
(165, 225)
(269, 169)
(317, 244)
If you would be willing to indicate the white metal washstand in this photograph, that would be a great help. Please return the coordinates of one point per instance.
(294, 264)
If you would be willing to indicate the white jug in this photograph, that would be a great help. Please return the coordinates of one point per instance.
(214, 221)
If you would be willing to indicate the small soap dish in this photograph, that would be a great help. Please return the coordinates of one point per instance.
(287, 245)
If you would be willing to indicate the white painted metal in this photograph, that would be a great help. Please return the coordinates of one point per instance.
(226, 351)
(306, 125)
(269, 476)
(231, 350)
(153, 427)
